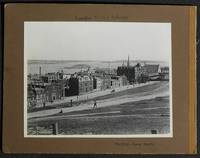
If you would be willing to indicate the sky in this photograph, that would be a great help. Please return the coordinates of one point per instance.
(103, 41)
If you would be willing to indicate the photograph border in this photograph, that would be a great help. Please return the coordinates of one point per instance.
(101, 135)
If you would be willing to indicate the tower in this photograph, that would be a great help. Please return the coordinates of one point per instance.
(128, 64)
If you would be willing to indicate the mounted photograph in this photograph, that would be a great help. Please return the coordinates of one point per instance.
(97, 79)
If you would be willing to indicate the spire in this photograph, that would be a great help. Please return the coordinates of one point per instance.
(128, 64)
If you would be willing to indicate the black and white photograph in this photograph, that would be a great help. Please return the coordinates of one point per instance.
(97, 79)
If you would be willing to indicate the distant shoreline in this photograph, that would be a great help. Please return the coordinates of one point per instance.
(69, 61)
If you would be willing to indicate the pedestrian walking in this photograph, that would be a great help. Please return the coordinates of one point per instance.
(95, 104)
(61, 111)
(44, 104)
(71, 102)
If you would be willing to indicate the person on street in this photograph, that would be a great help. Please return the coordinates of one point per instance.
(61, 111)
(71, 102)
(95, 104)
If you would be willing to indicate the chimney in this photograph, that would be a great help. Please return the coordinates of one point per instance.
(40, 71)
(128, 63)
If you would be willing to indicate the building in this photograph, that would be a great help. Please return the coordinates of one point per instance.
(118, 81)
(31, 96)
(39, 93)
(49, 77)
(164, 73)
(152, 71)
(78, 85)
(33, 77)
(66, 76)
(141, 75)
(54, 91)
(102, 82)
(106, 82)
(40, 96)
(52, 76)
(97, 83)
(72, 87)
(128, 71)
(85, 84)
(36, 96)
(115, 82)
(123, 80)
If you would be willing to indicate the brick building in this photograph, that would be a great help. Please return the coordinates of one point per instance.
(79, 85)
